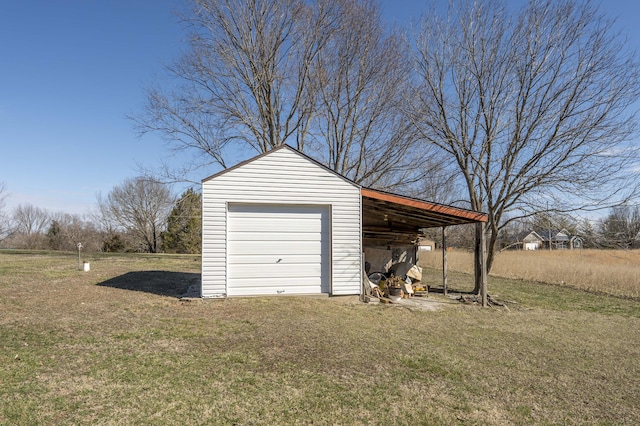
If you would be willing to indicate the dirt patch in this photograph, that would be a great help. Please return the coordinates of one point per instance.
(427, 303)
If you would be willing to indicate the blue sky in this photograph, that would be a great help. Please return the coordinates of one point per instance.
(71, 70)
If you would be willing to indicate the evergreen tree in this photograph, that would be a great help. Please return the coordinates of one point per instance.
(114, 243)
(589, 234)
(184, 226)
(54, 235)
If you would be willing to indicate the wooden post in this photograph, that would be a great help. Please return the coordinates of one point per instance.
(483, 263)
(477, 262)
(444, 261)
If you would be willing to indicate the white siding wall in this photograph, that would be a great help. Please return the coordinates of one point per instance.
(282, 177)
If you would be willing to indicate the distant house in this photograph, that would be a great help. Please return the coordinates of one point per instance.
(557, 240)
(426, 245)
(532, 241)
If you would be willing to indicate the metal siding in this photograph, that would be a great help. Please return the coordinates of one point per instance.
(283, 177)
(213, 245)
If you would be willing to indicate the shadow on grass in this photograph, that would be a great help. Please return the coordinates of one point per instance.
(162, 283)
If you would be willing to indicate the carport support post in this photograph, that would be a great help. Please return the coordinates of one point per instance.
(481, 262)
(444, 261)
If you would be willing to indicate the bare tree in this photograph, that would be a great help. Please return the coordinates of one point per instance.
(5, 220)
(621, 227)
(361, 81)
(139, 206)
(325, 76)
(66, 230)
(589, 234)
(242, 82)
(30, 225)
(530, 107)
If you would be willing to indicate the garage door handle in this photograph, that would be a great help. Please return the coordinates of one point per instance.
(279, 260)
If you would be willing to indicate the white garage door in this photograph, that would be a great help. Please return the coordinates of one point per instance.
(278, 249)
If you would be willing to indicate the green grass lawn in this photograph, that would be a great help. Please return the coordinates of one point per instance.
(116, 346)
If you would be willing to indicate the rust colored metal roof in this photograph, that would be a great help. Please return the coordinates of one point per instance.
(391, 217)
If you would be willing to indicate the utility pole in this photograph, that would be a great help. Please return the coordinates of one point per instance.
(549, 226)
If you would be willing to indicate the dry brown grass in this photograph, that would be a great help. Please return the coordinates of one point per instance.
(614, 272)
(115, 346)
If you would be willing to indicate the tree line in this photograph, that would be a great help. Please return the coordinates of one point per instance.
(142, 215)
(139, 215)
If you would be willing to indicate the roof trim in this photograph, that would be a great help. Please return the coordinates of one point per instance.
(290, 148)
(424, 205)
(531, 233)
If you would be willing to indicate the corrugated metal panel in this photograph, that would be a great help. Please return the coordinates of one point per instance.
(282, 177)
(278, 249)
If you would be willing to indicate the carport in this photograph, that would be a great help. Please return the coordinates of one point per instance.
(391, 219)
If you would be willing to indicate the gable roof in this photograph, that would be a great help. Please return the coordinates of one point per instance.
(554, 235)
(385, 213)
(281, 147)
(525, 234)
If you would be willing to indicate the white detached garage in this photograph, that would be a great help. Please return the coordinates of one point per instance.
(280, 223)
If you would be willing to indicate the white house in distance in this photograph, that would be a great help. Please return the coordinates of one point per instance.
(282, 223)
(551, 239)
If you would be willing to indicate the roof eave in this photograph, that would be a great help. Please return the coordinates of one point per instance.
(455, 212)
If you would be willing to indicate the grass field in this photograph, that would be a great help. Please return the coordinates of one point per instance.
(614, 272)
(116, 346)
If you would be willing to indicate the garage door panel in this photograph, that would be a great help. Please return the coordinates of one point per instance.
(248, 216)
(268, 259)
(275, 249)
(292, 224)
(284, 282)
(309, 272)
(276, 236)
(257, 248)
(275, 210)
(285, 287)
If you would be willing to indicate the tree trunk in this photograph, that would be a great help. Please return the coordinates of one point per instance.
(491, 247)
(480, 263)
(477, 260)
